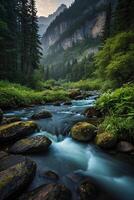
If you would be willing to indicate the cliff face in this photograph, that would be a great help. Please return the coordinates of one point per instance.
(44, 22)
(64, 32)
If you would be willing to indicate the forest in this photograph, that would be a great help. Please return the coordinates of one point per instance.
(66, 126)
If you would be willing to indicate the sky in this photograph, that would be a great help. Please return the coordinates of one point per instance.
(46, 7)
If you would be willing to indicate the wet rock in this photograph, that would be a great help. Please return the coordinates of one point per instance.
(51, 175)
(83, 131)
(31, 145)
(87, 191)
(49, 192)
(16, 172)
(1, 115)
(106, 140)
(92, 112)
(16, 130)
(79, 97)
(74, 93)
(125, 147)
(67, 103)
(42, 115)
(8, 120)
(57, 104)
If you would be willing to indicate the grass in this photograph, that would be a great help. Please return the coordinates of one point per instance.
(88, 84)
(15, 95)
(118, 108)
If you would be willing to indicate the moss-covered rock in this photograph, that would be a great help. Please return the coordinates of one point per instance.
(1, 115)
(15, 174)
(74, 93)
(16, 130)
(41, 115)
(106, 140)
(31, 145)
(83, 131)
(87, 190)
(48, 192)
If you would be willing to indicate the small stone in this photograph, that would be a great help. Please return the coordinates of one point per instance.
(51, 175)
(106, 140)
(125, 147)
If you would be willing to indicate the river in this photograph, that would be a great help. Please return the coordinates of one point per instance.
(73, 161)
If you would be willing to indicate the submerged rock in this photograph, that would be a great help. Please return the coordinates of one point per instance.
(87, 190)
(106, 140)
(57, 103)
(31, 145)
(42, 115)
(51, 175)
(16, 130)
(125, 147)
(83, 131)
(67, 103)
(48, 192)
(16, 172)
(1, 115)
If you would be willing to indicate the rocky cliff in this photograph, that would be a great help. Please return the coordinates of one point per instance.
(87, 22)
(44, 22)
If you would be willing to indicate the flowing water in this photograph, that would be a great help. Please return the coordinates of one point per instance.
(73, 161)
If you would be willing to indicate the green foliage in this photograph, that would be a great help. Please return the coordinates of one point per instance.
(15, 95)
(115, 61)
(122, 127)
(120, 101)
(118, 107)
(88, 84)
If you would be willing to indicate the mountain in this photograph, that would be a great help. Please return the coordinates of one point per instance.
(76, 33)
(44, 22)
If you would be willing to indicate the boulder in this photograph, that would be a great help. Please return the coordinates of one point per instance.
(106, 140)
(125, 147)
(51, 175)
(48, 192)
(1, 115)
(16, 130)
(41, 115)
(87, 190)
(31, 145)
(57, 103)
(83, 131)
(74, 93)
(16, 172)
(92, 112)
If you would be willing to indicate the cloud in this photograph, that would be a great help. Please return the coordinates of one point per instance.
(46, 7)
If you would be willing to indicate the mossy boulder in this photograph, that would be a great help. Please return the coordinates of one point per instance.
(31, 145)
(16, 172)
(1, 115)
(106, 140)
(83, 131)
(74, 93)
(41, 115)
(87, 190)
(48, 192)
(16, 130)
